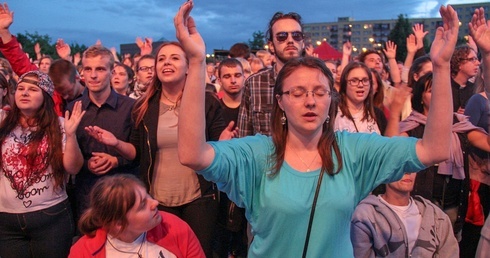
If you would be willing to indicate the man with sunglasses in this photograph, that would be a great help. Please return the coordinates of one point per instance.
(464, 65)
(286, 41)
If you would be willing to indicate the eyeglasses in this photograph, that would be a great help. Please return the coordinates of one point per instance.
(283, 35)
(356, 81)
(300, 94)
(146, 68)
(471, 59)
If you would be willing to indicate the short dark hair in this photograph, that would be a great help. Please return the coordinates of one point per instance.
(279, 16)
(240, 50)
(61, 68)
(229, 62)
(362, 56)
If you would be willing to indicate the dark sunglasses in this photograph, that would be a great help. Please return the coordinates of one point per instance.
(283, 35)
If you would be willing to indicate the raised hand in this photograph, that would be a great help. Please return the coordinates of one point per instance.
(187, 33)
(480, 30)
(309, 51)
(77, 58)
(390, 50)
(418, 31)
(73, 120)
(37, 48)
(6, 16)
(411, 44)
(102, 135)
(62, 49)
(347, 48)
(445, 39)
(145, 46)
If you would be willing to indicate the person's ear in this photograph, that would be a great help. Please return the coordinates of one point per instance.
(271, 47)
(279, 101)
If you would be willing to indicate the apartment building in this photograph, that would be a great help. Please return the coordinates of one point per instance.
(370, 34)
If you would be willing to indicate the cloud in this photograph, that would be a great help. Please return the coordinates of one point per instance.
(221, 23)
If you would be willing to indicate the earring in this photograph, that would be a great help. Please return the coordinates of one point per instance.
(327, 120)
(283, 118)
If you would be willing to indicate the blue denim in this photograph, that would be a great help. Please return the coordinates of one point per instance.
(43, 233)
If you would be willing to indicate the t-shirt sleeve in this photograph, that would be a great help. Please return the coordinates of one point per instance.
(238, 167)
(474, 108)
(375, 160)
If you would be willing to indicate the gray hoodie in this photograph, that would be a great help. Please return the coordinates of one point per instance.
(376, 231)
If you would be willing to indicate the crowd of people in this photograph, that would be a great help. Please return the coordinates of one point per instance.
(269, 154)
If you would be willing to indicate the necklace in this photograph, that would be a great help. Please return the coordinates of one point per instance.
(174, 103)
(139, 250)
(165, 96)
(303, 161)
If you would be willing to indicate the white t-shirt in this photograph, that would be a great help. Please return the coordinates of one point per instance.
(342, 123)
(117, 248)
(20, 193)
(411, 218)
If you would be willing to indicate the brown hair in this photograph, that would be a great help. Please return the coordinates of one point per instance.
(47, 125)
(379, 95)
(459, 56)
(148, 56)
(97, 50)
(230, 63)
(111, 198)
(327, 142)
(368, 102)
(61, 68)
(141, 105)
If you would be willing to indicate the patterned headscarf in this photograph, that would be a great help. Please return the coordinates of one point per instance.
(44, 82)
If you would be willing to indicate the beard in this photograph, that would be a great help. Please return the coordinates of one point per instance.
(283, 59)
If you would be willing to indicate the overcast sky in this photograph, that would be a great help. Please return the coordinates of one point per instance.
(221, 22)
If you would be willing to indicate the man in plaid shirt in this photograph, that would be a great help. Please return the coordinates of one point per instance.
(285, 40)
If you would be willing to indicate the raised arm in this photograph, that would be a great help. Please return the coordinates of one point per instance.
(37, 50)
(346, 53)
(411, 50)
(480, 31)
(390, 52)
(193, 150)
(9, 46)
(435, 144)
(146, 46)
(63, 50)
(72, 156)
(6, 19)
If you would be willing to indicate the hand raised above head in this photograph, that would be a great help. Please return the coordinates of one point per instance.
(411, 44)
(187, 33)
(445, 39)
(480, 30)
(347, 48)
(62, 49)
(390, 50)
(6, 16)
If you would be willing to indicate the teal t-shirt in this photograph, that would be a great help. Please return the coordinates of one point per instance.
(278, 208)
